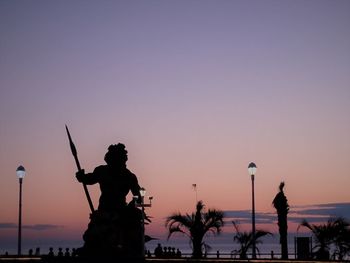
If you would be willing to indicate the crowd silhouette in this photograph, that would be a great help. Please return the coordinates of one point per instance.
(167, 252)
(67, 253)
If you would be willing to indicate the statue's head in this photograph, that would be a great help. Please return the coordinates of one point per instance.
(281, 186)
(116, 154)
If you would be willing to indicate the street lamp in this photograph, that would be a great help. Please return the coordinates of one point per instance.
(21, 172)
(143, 205)
(142, 193)
(252, 171)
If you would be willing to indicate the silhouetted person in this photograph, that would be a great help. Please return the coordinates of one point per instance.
(30, 252)
(67, 254)
(51, 254)
(178, 253)
(158, 251)
(169, 252)
(60, 252)
(37, 252)
(74, 252)
(115, 228)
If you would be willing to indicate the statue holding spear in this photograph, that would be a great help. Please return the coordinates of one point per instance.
(115, 227)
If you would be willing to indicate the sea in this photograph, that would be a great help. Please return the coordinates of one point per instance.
(224, 249)
(222, 245)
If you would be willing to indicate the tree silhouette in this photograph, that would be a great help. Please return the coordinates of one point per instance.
(245, 240)
(196, 226)
(280, 202)
(341, 240)
(335, 231)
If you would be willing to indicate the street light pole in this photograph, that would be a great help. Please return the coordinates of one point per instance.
(20, 174)
(252, 171)
(142, 194)
(143, 205)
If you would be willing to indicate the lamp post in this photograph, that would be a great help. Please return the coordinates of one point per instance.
(21, 172)
(252, 171)
(143, 205)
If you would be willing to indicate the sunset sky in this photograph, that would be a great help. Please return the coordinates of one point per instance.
(195, 89)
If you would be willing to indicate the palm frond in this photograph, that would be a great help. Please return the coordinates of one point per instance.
(184, 220)
(261, 233)
(214, 221)
(306, 224)
(175, 229)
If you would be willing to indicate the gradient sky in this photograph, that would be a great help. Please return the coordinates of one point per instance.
(195, 89)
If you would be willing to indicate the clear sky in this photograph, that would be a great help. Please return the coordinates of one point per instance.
(195, 89)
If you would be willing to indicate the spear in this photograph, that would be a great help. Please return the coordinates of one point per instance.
(75, 155)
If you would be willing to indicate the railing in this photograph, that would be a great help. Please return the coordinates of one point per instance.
(222, 255)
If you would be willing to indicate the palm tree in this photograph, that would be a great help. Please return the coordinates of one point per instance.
(334, 231)
(341, 238)
(245, 240)
(196, 226)
(280, 202)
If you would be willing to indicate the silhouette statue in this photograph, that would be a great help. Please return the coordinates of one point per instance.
(280, 202)
(115, 228)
